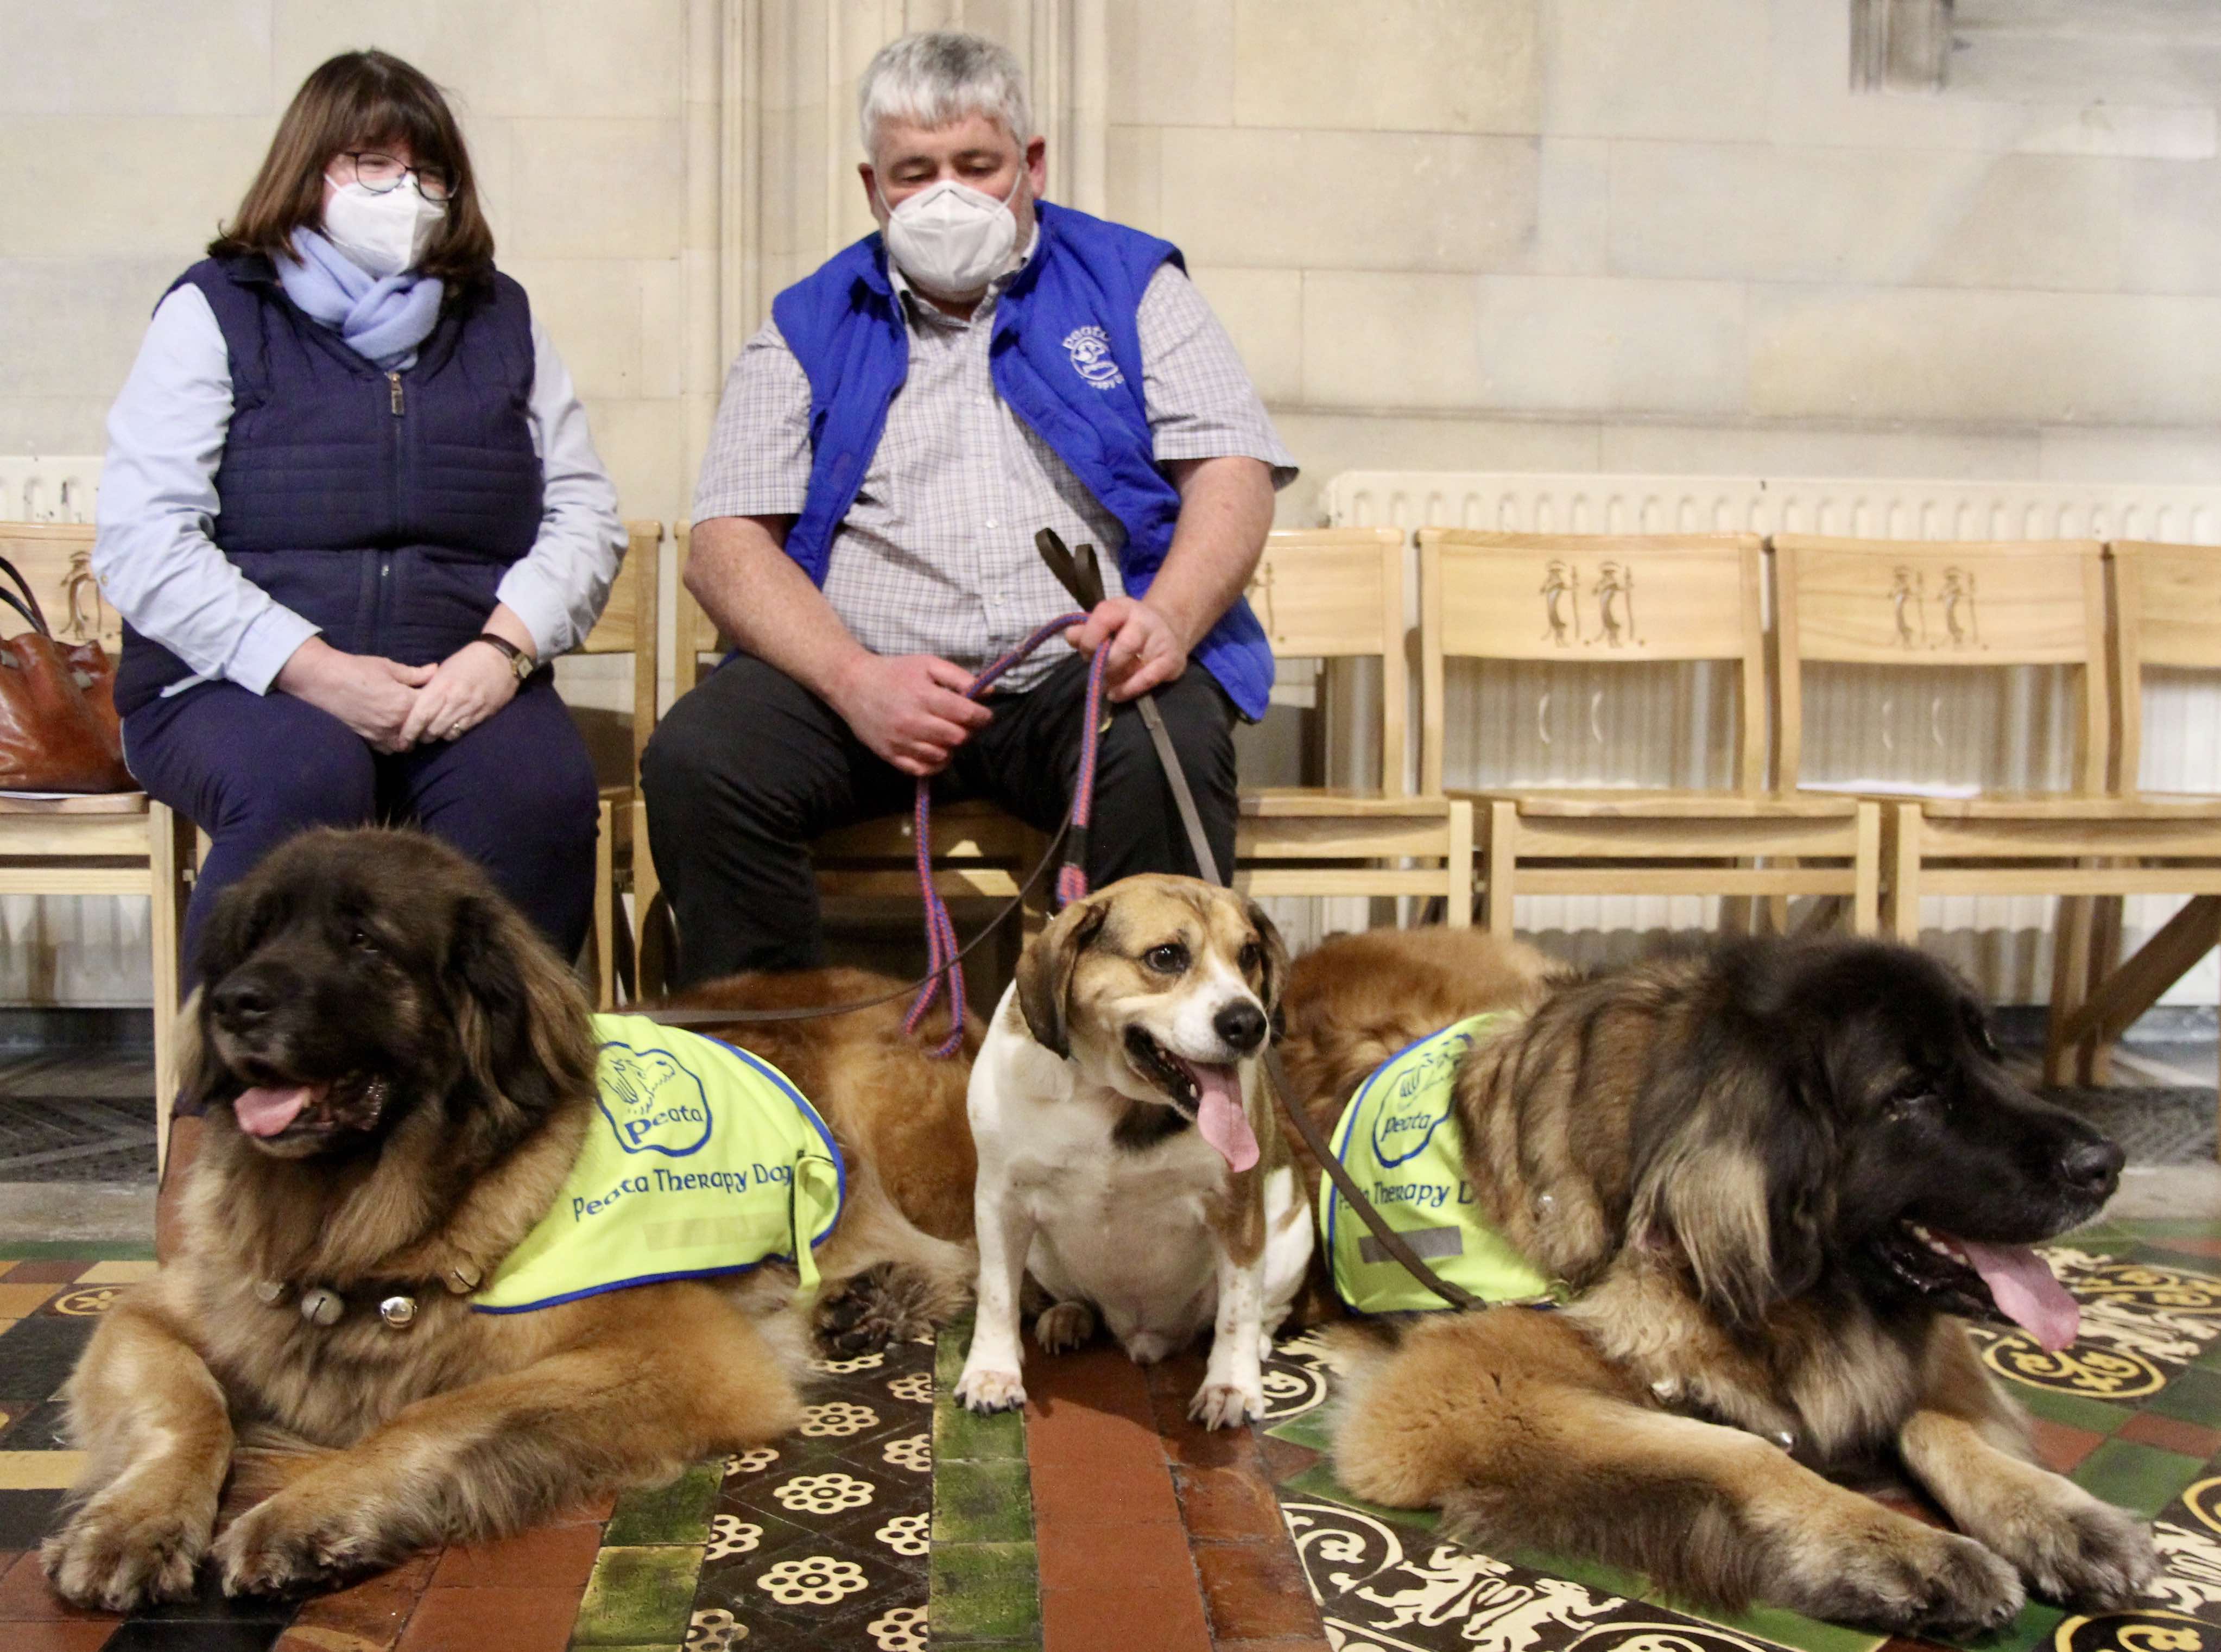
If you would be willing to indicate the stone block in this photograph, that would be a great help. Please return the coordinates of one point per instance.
(1390, 341)
(591, 307)
(71, 326)
(2171, 226)
(598, 188)
(1132, 166)
(1263, 312)
(642, 443)
(1388, 65)
(1171, 62)
(126, 186)
(1656, 68)
(186, 57)
(1368, 200)
(1748, 448)
(1578, 344)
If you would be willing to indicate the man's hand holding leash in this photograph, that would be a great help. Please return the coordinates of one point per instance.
(910, 709)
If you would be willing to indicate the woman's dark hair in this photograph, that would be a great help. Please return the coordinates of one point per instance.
(359, 100)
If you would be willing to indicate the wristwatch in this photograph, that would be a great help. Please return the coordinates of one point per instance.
(521, 664)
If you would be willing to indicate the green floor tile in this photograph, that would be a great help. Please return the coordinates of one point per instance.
(2174, 1226)
(1591, 1574)
(1308, 1430)
(1785, 1628)
(987, 1501)
(2076, 1410)
(2034, 1628)
(961, 1435)
(986, 1592)
(950, 1348)
(77, 1251)
(639, 1597)
(677, 1513)
(2190, 1396)
(2139, 1477)
(1317, 1484)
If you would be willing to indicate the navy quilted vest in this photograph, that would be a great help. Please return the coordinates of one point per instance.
(382, 508)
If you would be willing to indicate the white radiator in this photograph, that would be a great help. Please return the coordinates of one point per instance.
(1668, 725)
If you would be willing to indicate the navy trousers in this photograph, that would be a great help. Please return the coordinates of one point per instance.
(516, 793)
(745, 770)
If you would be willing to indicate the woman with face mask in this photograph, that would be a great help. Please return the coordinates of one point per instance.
(351, 510)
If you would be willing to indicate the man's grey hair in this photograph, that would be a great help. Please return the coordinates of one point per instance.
(930, 79)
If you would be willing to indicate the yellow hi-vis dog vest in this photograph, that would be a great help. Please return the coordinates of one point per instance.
(1400, 1141)
(699, 1159)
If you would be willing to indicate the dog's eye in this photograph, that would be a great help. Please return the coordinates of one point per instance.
(363, 940)
(1167, 959)
(1910, 1102)
(1252, 955)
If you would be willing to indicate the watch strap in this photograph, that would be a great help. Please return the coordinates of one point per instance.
(520, 663)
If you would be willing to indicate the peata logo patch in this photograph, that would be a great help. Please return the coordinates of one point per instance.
(653, 1104)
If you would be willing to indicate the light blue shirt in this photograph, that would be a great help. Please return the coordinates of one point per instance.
(161, 571)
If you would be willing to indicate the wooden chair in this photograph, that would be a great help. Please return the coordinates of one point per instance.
(114, 844)
(1334, 594)
(979, 852)
(1611, 601)
(2166, 607)
(1985, 605)
(628, 625)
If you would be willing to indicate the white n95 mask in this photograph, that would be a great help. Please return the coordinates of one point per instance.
(385, 233)
(952, 240)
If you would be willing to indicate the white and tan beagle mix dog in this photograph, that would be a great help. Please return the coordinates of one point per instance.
(1127, 1156)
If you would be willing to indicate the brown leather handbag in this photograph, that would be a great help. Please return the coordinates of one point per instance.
(58, 724)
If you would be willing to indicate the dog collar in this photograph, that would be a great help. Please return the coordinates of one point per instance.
(325, 1305)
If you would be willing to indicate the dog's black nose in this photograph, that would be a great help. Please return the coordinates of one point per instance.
(2092, 1165)
(1241, 1023)
(240, 1002)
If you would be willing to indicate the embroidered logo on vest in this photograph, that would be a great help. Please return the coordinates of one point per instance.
(653, 1104)
(1090, 350)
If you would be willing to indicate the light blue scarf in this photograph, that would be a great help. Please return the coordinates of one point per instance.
(383, 319)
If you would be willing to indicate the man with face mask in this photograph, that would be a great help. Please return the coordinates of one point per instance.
(988, 365)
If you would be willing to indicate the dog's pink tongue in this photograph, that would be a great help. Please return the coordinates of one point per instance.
(266, 1108)
(2025, 1291)
(1220, 1116)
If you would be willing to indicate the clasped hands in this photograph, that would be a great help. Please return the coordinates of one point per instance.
(395, 707)
(911, 710)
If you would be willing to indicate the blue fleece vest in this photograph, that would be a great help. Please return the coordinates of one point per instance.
(1066, 353)
(381, 508)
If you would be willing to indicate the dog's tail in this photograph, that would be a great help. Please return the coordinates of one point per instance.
(1358, 1349)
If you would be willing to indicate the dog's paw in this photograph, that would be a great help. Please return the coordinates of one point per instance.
(124, 1551)
(1065, 1327)
(876, 1309)
(1917, 1579)
(985, 1391)
(2083, 1553)
(288, 1542)
(1226, 1404)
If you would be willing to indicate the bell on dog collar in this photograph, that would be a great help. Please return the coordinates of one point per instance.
(322, 1306)
(269, 1292)
(463, 1278)
(398, 1313)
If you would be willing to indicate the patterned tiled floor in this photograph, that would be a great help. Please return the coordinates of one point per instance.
(1103, 1521)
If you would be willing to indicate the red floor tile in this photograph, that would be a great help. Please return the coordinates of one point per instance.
(492, 1620)
(1233, 1504)
(58, 1638)
(546, 1557)
(1118, 1617)
(1088, 1559)
(2170, 1434)
(45, 1273)
(25, 1597)
(2191, 1247)
(1278, 1643)
(1125, 1489)
(1067, 1430)
(1256, 1592)
(2060, 1448)
(369, 1615)
(1103, 1378)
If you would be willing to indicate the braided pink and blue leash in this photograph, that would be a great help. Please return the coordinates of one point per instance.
(944, 968)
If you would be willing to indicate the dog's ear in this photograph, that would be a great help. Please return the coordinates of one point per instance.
(526, 1026)
(1275, 973)
(1730, 1168)
(1044, 976)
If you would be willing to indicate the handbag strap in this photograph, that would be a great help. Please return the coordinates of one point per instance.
(29, 607)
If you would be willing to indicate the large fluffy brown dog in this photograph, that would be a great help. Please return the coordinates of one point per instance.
(1770, 1173)
(419, 1071)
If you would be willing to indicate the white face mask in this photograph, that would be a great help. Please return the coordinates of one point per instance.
(385, 233)
(952, 240)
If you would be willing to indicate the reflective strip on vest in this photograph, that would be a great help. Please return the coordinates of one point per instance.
(699, 1159)
(1400, 1141)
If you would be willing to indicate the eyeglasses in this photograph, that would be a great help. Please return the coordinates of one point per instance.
(381, 174)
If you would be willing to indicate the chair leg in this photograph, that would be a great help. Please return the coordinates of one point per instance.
(651, 913)
(2093, 1054)
(169, 858)
(605, 901)
(1866, 872)
(1905, 874)
(2070, 983)
(1503, 851)
(1457, 910)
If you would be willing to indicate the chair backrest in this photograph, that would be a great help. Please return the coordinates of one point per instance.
(695, 633)
(1337, 593)
(1952, 604)
(1592, 599)
(628, 624)
(56, 558)
(2167, 612)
